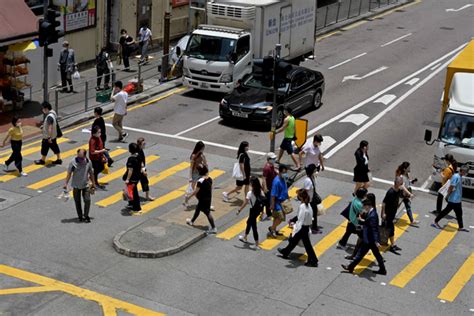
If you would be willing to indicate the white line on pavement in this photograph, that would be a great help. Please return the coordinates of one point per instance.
(346, 61)
(197, 126)
(413, 81)
(435, 66)
(356, 119)
(388, 109)
(461, 8)
(360, 104)
(427, 182)
(386, 99)
(396, 40)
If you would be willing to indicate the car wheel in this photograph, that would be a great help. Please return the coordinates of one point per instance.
(280, 117)
(317, 100)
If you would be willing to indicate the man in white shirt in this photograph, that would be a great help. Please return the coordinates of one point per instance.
(144, 40)
(312, 153)
(120, 98)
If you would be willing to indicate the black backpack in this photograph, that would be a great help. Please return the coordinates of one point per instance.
(101, 60)
(259, 204)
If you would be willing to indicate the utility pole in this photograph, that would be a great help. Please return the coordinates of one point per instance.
(166, 43)
(45, 57)
(275, 90)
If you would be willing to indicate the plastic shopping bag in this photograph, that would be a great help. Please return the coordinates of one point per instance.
(128, 192)
(76, 75)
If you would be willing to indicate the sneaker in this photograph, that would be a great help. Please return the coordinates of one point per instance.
(124, 135)
(212, 231)
(346, 268)
(5, 168)
(436, 225)
(414, 223)
(316, 231)
(225, 196)
(396, 247)
(243, 239)
(39, 162)
(382, 272)
(189, 222)
(110, 162)
(57, 162)
(271, 232)
(283, 255)
(23, 174)
(463, 230)
(311, 264)
(87, 219)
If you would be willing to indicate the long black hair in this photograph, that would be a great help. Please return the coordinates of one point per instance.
(199, 146)
(256, 186)
(242, 147)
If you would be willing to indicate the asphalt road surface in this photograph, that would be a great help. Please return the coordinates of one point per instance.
(384, 80)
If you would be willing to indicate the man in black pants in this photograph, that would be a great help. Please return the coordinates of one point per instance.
(371, 238)
(132, 176)
(389, 211)
(49, 135)
(66, 65)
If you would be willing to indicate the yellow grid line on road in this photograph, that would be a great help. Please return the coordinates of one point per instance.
(458, 281)
(111, 303)
(31, 150)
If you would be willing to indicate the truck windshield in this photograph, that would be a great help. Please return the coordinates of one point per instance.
(458, 130)
(210, 47)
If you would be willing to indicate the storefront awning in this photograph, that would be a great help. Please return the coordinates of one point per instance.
(17, 22)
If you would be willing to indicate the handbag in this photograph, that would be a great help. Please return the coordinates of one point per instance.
(127, 193)
(444, 189)
(287, 207)
(237, 172)
(345, 212)
(383, 232)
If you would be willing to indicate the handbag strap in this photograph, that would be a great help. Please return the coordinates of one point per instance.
(314, 187)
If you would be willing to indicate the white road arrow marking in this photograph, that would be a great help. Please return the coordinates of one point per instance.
(328, 141)
(412, 81)
(356, 119)
(386, 99)
(354, 77)
(461, 8)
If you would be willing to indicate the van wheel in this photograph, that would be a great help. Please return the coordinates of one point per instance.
(317, 100)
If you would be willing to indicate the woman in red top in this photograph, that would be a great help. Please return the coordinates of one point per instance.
(96, 154)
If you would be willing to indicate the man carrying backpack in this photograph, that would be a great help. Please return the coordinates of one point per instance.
(102, 61)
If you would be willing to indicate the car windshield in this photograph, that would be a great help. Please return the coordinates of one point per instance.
(458, 130)
(255, 82)
(210, 47)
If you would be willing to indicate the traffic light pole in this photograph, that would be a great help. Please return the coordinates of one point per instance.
(275, 90)
(45, 58)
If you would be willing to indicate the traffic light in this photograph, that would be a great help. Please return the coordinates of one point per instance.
(48, 34)
(52, 16)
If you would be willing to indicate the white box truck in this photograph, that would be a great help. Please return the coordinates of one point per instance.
(456, 133)
(222, 52)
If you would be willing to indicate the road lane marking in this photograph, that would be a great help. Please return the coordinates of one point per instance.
(173, 195)
(151, 181)
(458, 281)
(271, 243)
(347, 60)
(400, 227)
(31, 150)
(49, 284)
(354, 25)
(34, 167)
(424, 258)
(356, 119)
(62, 176)
(386, 99)
(412, 81)
(385, 111)
(396, 40)
(373, 72)
(461, 8)
(327, 143)
(320, 38)
(197, 126)
(435, 66)
(375, 96)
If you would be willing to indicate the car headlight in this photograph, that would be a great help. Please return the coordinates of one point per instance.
(186, 72)
(224, 102)
(267, 108)
(226, 78)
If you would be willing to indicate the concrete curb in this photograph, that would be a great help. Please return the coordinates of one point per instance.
(121, 249)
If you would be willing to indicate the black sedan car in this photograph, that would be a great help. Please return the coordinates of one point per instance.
(301, 90)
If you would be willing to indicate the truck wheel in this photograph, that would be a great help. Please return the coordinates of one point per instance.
(317, 100)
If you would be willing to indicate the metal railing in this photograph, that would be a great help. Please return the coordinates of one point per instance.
(147, 75)
(347, 9)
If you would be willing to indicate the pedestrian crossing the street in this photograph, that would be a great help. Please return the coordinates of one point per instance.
(31, 150)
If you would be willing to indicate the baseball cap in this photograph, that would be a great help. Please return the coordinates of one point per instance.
(271, 155)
